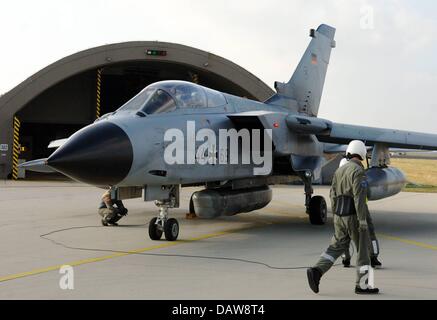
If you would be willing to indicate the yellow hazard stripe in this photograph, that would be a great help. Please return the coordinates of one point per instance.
(98, 92)
(195, 78)
(16, 148)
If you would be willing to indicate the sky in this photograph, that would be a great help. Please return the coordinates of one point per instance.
(382, 73)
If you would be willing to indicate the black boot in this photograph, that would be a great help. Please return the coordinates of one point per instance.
(375, 262)
(314, 276)
(358, 290)
(346, 263)
(107, 223)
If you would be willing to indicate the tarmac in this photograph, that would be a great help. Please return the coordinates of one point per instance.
(257, 255)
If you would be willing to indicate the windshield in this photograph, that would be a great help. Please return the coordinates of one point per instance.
(150, 100)
(137, 102)
(159, 102)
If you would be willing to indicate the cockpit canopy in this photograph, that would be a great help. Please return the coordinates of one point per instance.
(166, 96)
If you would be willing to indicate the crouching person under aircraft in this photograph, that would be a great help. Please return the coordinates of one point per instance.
(374, 248)
(111, 210)
(348, 197)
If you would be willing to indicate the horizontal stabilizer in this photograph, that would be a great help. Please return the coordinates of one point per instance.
(39, 165)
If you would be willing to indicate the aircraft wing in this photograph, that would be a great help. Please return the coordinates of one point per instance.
(332, 148)
(331, 133)
(344, 133)
(337, 148)
(339, 133)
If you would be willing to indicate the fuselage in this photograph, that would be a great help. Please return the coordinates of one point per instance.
(129, 145)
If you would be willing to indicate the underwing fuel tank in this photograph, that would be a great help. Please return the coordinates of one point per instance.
(212, 203)
(384, 182)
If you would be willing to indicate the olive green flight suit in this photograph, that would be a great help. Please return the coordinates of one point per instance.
(349, 180)
(374, 247)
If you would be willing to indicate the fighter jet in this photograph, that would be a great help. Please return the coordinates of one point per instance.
(175, 134)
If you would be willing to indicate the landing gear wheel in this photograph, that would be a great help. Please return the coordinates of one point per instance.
(171, 229)
(318, 210)
(155, 233)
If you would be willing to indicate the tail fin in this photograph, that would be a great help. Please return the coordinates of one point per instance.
(306, 85)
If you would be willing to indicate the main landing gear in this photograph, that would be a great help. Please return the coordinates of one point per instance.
(317, 210)
(163, 224)
(315, 206)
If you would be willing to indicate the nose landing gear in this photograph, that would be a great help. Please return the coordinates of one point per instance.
(162, 224)
(155, 229)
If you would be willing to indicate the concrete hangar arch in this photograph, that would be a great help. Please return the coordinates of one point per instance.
(72, 92)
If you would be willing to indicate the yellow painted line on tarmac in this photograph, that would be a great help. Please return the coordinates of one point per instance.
(263, 222)
(410, 242)
(124, 253)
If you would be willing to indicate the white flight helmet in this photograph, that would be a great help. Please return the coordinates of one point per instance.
(343, 162)
(357, 147)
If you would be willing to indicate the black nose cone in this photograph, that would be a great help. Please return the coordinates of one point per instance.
(100, 154)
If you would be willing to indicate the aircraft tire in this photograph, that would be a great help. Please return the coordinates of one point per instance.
(154, 232)
(318, 210)
(171, 229)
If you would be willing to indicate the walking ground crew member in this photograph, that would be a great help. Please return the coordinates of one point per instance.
(374, 248)
(110, 214)
(348, 197)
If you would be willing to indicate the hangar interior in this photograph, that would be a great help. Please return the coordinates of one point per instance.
(71, 104)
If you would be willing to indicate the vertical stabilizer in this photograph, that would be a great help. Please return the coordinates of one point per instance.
(306, 85)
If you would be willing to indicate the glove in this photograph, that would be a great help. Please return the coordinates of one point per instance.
(362, 226)
(124, 211)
